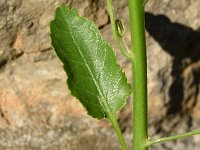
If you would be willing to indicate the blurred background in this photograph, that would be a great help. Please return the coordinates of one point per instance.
(36, 109)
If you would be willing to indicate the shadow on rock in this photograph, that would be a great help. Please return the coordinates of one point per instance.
(183, 44)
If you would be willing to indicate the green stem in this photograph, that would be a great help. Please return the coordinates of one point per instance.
(118, 132)
(171, 138)
(139, 66)
(114, 30)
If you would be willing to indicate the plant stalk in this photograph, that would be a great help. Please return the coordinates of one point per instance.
(139, 73)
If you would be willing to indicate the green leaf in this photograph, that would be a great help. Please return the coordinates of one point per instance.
(94, 77)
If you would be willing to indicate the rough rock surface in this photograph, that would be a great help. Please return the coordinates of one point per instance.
(36, 109)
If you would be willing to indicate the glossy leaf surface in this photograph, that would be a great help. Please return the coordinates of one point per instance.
(94, 77)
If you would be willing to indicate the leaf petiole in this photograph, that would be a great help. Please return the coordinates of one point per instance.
(171, 138)
(117, 129)
(114, 30)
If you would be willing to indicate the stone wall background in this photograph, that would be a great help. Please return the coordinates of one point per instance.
(36, 110)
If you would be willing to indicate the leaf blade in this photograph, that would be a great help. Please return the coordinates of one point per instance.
(94, 77)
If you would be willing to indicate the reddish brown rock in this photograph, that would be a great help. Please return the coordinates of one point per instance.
(36, 108)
